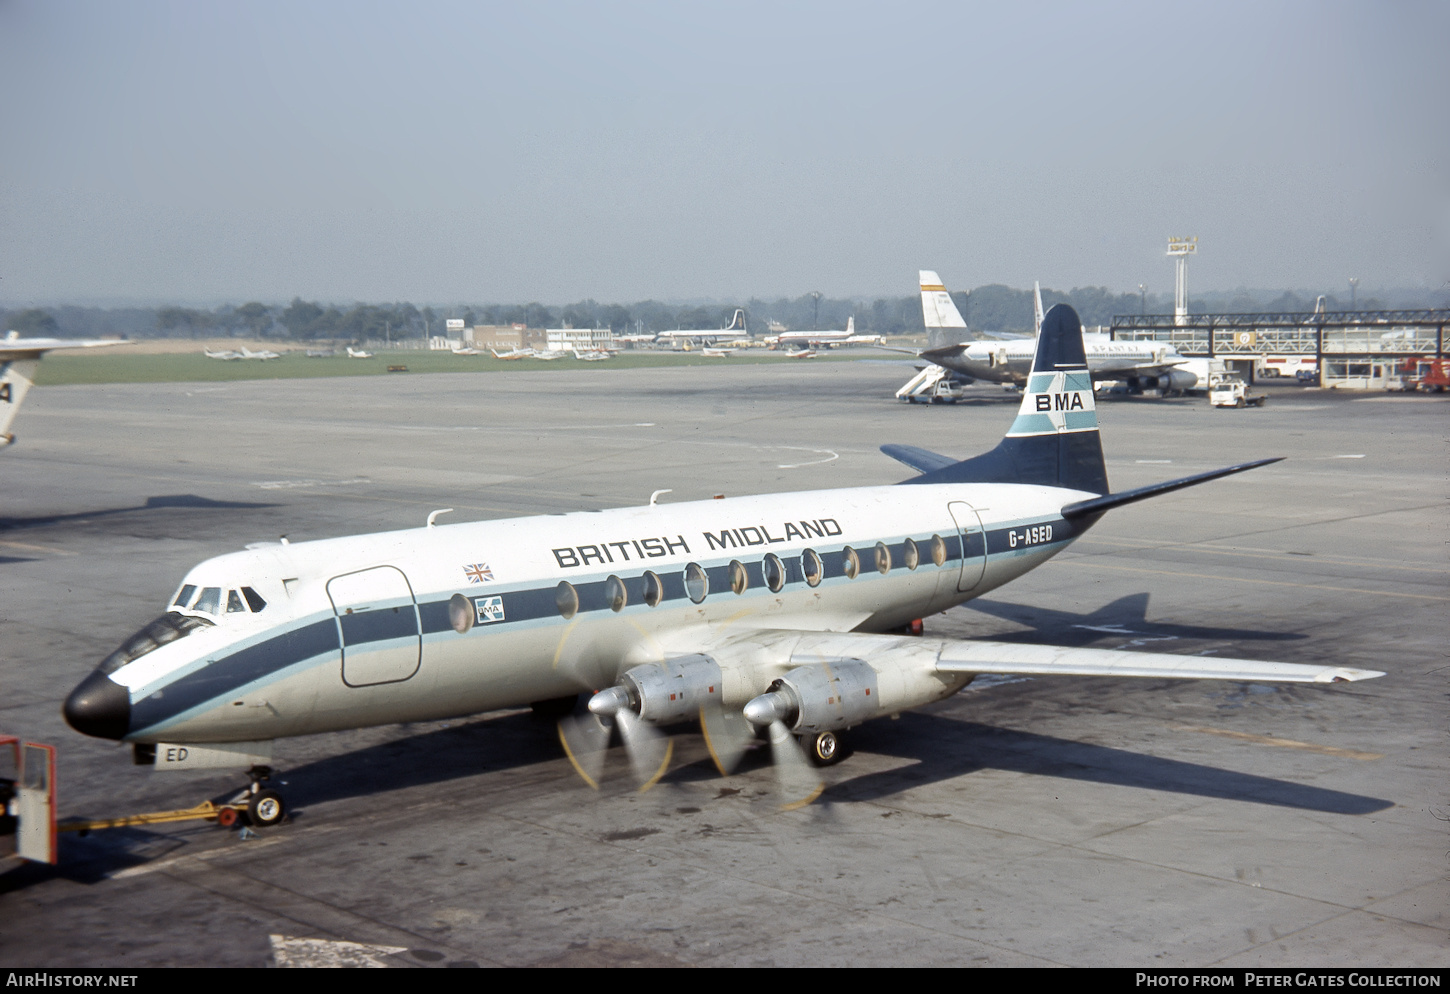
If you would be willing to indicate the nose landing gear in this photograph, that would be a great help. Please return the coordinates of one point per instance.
(265, 806)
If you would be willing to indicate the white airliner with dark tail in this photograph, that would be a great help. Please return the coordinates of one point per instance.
(735, 330)
(19, 358)
(785, 613)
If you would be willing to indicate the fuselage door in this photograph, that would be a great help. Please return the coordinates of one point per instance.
(377, 619)
(974, 544)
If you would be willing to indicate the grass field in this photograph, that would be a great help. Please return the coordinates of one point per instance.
(117, 366)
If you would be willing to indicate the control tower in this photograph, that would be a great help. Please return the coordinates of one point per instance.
(1179, 249)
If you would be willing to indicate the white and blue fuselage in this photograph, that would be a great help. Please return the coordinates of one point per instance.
(439, 622)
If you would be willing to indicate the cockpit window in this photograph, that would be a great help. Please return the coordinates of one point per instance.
(167, 628)
(254, 599)
(234, 603)
(209, 601)
(184, 598)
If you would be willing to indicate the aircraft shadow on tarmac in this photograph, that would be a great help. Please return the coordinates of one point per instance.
(183, 501)
(1124, 616)
(945, 748)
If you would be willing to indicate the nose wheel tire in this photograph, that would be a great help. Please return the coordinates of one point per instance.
(266, 808)
(824, 748)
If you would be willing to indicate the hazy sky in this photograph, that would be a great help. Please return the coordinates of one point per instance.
(202, 152)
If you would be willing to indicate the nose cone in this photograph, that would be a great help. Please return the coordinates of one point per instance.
(99, 706)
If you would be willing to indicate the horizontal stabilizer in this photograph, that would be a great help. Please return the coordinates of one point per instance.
(921, 460)
(1097, 505)
(1050, 660)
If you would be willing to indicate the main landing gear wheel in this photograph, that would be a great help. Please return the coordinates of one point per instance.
(824, 748)
(266, 808)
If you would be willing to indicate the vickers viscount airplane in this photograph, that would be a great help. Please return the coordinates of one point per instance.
(18, 359)
(784, 613)
(1141, 365)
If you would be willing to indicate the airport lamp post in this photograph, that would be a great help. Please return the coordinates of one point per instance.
(1142, 300)
(816, 311)
(1353, 286)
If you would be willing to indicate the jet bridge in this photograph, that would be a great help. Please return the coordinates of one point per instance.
(1342, 343)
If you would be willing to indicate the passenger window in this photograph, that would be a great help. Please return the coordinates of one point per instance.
(738, 580)
(566, 599)
(254, 599)
(697, 584)
(184, 598)
(615, 593)
(883, 558)
(460, 613)
(812, 567)
(654, 590)
(774, 571)
(850, 562)
(938, 550)
(209, 601)
(234, 603)
(911, 554)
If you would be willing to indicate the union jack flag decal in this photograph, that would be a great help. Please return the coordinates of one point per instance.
(478, 572)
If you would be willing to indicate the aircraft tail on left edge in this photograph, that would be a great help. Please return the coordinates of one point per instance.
(16, 377)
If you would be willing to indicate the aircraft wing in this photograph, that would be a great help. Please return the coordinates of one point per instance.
(12, 349)
(1051, 660)
(779, 650)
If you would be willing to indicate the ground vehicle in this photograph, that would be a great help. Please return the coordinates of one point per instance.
(1233, 392)
(1286, 366)
(1424, 374)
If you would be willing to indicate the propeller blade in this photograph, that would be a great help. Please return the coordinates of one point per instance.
(649, 750)
(727, 735)
(585, 739)
(799, 784)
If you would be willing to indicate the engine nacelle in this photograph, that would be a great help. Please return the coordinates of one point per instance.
(1178, 380)
(825, 697)
(673, 691)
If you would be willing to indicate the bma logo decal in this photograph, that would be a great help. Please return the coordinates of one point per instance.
(488, 610)
(1060, 401)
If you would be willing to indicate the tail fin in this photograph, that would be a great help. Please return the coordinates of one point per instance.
(737, 321)
(851, 325)
(937, 309)
(1054, 440)
(1036, 307)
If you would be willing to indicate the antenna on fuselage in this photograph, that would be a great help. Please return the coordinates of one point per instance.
(656, 496)
(433, 515)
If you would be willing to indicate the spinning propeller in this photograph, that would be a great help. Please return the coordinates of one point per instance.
(661, 693)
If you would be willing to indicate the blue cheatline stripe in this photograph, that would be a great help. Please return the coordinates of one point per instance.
(216, 681)
(236, 670)
(376, 626)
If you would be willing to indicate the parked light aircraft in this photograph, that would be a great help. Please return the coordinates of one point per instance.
(783, 612)
(353, 353)
(231, 355)
(522, 353)
(18, 359)
(593, 355)
(1141, 365)
(735, 329)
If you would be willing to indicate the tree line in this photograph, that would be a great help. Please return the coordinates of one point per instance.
(992, 308)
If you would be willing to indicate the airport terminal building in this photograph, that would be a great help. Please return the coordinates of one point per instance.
(1354, 350)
